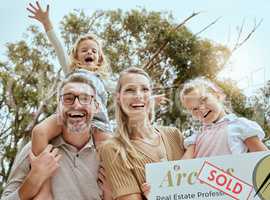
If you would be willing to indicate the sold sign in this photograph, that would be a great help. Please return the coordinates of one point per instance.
(224, 182)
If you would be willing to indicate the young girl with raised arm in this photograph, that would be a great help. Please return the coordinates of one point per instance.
(86, 54)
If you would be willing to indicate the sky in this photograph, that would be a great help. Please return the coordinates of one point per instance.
(249, 65)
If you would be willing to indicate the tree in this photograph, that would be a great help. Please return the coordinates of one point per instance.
(260, 103)
(24, 79)
(29, 75)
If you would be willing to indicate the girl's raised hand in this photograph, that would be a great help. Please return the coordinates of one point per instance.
(40, 15)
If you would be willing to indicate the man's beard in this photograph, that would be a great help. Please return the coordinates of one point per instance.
(72, 128)
(76, 128)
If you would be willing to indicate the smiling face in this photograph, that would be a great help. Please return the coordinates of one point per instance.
(204, 106)
(135, 95)
(77, 117)
(88, 52)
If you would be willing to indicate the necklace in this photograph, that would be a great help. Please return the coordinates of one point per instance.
(148, 142)
(158, 149)
(162, 153)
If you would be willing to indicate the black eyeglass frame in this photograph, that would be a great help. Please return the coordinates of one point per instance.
(92, 97)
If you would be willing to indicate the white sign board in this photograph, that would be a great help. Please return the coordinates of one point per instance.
(214, 178)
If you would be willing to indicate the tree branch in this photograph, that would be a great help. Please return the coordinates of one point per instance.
(239, 43)
(51, 93)
(10, 100)
(208, 26)
(3, 132)
(94, 17)
(149, 63)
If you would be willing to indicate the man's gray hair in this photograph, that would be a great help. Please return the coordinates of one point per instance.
(77, 76)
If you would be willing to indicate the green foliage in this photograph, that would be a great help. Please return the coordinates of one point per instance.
(24, 78)
(130, 39)
(235, 98)
(260, 104)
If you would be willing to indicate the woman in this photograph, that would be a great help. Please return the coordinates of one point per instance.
(136, 142)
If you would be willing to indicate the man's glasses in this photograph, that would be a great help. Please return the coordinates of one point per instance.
(69, 98)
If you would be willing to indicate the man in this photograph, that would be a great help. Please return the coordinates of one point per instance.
(72, 165)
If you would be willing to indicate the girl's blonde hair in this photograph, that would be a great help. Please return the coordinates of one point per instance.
(204, 85)
(124, 145)
(102, 67)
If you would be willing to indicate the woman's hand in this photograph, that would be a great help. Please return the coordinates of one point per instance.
(145, 187)
(104, 184)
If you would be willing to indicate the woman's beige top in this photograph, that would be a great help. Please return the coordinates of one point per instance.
(128, 179)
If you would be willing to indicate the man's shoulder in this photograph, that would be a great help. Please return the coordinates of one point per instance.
(21, 163)
(23, 153)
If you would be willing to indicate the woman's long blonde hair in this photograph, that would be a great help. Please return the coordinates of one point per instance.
(102, 67)
(124, 145)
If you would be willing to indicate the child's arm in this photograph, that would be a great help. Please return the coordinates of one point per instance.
(45, 192)
(41, 135)
(251, 134)
(255, 144)
(44, 132)
(190, 144)
(100, 137)
(40, 15)
(189, 153)
(43, 18)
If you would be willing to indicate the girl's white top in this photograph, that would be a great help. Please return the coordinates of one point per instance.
(232, 129)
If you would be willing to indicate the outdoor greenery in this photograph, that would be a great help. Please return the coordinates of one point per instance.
(30, 71)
